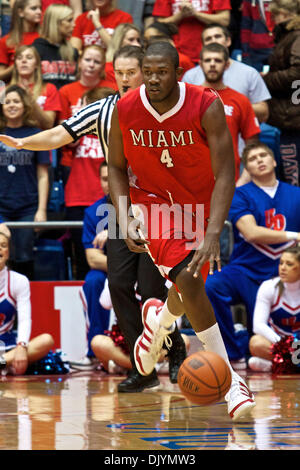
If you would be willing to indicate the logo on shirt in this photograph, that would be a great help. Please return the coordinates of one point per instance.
(161, 138)
(274, 221)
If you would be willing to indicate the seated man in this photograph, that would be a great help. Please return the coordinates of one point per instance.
(97, 317)
(266, 221)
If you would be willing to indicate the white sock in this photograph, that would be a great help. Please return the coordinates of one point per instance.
(165, 317)
(212, 340)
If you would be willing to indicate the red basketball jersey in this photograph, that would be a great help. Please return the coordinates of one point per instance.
(168, 155)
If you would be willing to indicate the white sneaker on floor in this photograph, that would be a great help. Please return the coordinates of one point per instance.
(259, 364)
(239, 364)
(86, 363)
(114, 368)
(240, 400)
(148, 346)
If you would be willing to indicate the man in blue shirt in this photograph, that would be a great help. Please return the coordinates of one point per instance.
(97, 318)
(266, 220)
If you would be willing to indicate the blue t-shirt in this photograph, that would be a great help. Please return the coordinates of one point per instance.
(94, 221)
(18, 175)
(281, 212)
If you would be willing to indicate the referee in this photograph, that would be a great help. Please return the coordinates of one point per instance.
(125, 268)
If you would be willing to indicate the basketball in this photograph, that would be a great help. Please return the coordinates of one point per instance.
(204, 378)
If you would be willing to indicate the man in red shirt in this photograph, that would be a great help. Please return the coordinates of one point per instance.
(239, 113)
(191, 16)
(172, 140)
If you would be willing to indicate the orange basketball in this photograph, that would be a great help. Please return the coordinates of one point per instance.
(204, 378)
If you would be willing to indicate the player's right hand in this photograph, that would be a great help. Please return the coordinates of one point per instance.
(135, 240)
(11, 141)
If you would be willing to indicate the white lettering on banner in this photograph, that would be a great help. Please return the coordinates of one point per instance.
(72, 322)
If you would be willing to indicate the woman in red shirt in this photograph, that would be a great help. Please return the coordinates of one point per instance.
(45, 99)
(25, 22)
(97, 25)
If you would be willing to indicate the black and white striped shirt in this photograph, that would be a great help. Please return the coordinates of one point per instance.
(93, 119)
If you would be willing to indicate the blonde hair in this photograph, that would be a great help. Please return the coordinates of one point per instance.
(290, 6)
(54, 14)
(295, 251)
(117, 39)
(38, 83)
(17, 24)
(28, 120)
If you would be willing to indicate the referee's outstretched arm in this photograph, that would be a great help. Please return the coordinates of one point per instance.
(45, 140)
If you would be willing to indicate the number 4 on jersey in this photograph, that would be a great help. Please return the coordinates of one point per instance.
(166, 158)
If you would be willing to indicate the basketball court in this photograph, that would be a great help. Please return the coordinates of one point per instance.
(83, 411)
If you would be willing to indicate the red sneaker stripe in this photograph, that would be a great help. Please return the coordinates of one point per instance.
(137, 357)
(147, 337)
(143, 346)
(237, 406)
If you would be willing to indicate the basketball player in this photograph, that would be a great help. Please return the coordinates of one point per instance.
(125, 268)
(173, 141)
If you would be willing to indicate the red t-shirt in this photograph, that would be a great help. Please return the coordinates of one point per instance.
(7, 53)
(49, 99)
(240, 119)
(83, 187)
(71, 95)
(188, 40)
(172, 146)
(84, 159)
(85, 30)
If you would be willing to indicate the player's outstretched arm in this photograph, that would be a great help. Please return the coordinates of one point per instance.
(119, 188)
(222, 162)
(45, 140)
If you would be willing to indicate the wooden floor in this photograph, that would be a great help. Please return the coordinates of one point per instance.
(83, 411)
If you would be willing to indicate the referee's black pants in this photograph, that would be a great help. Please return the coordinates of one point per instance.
(124, 270)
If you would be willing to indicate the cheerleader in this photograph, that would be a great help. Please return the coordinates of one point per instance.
(17, 351)
(277, 310)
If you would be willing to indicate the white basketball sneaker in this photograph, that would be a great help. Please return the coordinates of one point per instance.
(240, 400)
(259, 364)
(148, 346)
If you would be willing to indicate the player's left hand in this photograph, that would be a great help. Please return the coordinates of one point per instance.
(208, 251)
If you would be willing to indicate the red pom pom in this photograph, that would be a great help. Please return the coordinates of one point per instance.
(282, 356)
(116, 335)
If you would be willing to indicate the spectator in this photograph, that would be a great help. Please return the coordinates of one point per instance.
(257, 38)
(191, 16)
(5, 18)
(265, 218)
(240, 116)
(86, 158)
(97, 317)
(125, 34)
(45, 100)
(277, 310)
(97, 25)
(25, 22)
(23, 176)
(158, 31)
(20, 350)
(76, 5)
(281, 80)
(58, 57)
(238, 76)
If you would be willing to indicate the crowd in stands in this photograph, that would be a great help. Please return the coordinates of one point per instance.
(57, 57)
